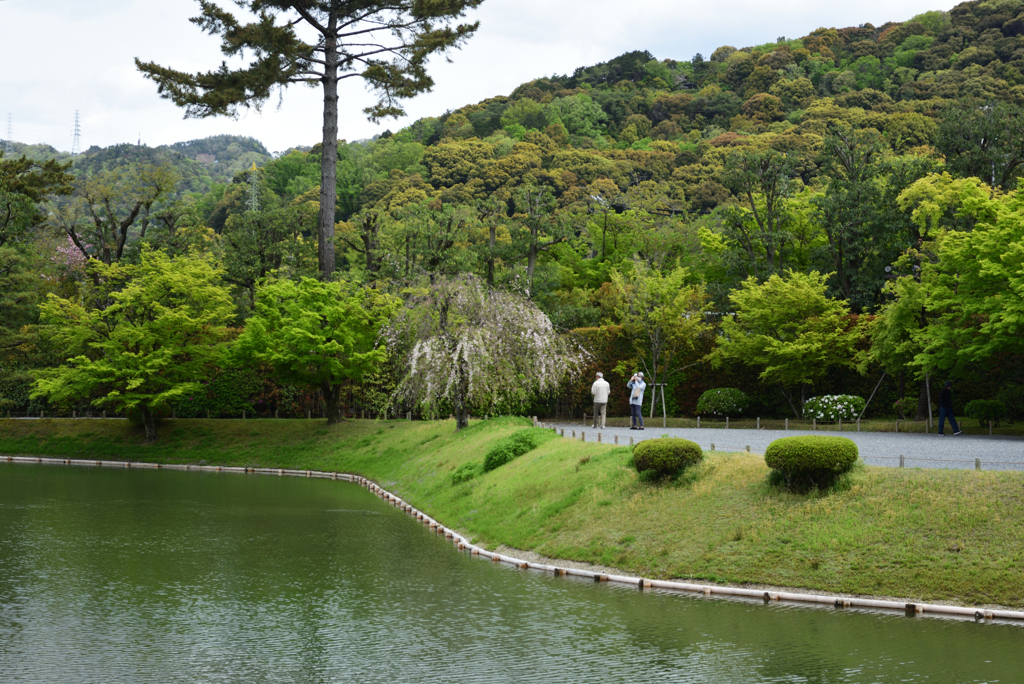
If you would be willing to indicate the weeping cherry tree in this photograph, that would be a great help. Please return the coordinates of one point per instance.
(463, 344)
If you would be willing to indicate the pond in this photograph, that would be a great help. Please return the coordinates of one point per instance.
(110, 575)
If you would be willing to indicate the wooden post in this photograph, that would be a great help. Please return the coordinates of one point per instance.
(664, 411)
(73, 414)
(630, 441)
(309, 414)
(712, 446)
(787, 424)
(814, 424)
(858, 425)
(698, 422)
(598, 437)
(840, 424)
(275, 413)
(990, 427)
(727, 422)
(243, 414)
(901, 461)
(977, 464)
(759, 422)
(616, 440)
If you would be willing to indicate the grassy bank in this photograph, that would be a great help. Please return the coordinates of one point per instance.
(936, 535)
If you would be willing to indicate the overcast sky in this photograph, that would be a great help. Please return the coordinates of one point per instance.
(57, 56)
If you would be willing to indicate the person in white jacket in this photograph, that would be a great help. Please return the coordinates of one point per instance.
(600, 390)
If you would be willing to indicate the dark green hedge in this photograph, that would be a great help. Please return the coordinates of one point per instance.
(515, 446)
(984, 410)
(811, 454)
(666, 456)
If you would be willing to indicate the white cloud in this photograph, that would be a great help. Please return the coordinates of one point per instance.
(63, 55)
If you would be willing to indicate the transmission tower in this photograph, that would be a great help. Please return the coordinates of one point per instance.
(253, 203)
(76, 141)
(8, 143)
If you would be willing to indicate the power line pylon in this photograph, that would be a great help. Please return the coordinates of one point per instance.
(8, 143)
(253, 202)
(76, 141)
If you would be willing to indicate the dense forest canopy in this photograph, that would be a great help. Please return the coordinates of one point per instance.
(846, 154)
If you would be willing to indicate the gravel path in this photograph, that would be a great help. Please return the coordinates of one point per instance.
(876, 448)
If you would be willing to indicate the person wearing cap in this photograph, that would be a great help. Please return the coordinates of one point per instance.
(600, 390)
(946, 409)
(636, 387)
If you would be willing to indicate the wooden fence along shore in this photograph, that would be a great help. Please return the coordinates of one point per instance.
(642, 583)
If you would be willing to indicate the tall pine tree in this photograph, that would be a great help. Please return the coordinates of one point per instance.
(385, 42)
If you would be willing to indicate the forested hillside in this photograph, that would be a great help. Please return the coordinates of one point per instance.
(847, 176)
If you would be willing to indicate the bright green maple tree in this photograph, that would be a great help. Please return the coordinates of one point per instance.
(789, 329)
(974, 290)
(140, 337)
(318, 334)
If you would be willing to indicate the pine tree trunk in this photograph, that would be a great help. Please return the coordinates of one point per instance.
(329, 156)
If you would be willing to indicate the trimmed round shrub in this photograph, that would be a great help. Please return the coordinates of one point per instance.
(514, 446)
(984, 410)
(465, 473)
(726, 401)
(833, 407)
(811, 455)
(666, 456)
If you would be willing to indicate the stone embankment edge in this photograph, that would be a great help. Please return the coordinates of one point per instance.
(462, 544)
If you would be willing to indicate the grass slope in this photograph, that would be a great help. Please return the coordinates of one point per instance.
(936, 535)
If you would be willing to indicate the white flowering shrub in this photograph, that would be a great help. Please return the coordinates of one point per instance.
(726, 401)
(834, 407)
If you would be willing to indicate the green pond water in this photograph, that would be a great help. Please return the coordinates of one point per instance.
(110, 575)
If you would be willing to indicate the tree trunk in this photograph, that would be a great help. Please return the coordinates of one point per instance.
(490, 255)
(531, 263)
(332, 398)
(329, 155)
(148, 422)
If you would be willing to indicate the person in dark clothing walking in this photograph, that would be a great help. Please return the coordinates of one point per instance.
(946, 409)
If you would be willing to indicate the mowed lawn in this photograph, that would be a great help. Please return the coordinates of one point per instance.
(932, 535)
